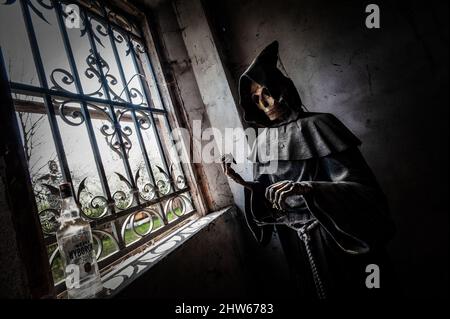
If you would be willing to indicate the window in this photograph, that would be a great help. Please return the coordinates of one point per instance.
(91, 113)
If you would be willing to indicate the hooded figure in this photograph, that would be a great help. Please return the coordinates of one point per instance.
(329, 212)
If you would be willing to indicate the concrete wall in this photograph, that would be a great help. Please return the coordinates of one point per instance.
(390, 86)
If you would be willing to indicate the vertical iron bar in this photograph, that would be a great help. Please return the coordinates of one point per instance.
(148, 94)
(160, 98)
(136, 123)
(111, 108)
(87, 118)
(56, 134)
(84, 101)
(149, 100)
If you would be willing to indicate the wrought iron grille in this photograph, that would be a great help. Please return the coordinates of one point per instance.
(90, 97)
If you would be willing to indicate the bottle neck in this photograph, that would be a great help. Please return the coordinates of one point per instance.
(69, 208)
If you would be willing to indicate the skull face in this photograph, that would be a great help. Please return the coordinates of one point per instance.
(266, 103)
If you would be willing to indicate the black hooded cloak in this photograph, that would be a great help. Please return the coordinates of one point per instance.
(333, 233)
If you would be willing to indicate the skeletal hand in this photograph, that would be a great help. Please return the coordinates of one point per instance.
(227, 160)
(278, 192)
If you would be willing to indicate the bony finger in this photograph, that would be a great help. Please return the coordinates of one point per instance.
(274, 187)
(266, 192)
(223, 159)
(275, 190)
(271, 192)
(270, 188)
(280, 190)
(276, 184)
(279, 183)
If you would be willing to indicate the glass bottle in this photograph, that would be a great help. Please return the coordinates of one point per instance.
(76, 246)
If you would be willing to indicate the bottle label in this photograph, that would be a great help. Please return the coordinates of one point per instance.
(79, 250)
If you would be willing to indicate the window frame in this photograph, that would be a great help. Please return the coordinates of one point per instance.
(168, 111)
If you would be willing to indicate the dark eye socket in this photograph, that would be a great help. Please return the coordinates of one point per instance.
(255, 98)
(265, 92)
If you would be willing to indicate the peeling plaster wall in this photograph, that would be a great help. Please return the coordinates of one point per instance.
(390, 86)
(216, 92)
(217, 191)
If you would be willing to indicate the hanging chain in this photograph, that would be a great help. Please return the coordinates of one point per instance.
(303, 234)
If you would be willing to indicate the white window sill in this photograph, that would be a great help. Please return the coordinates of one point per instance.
(130, 269)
